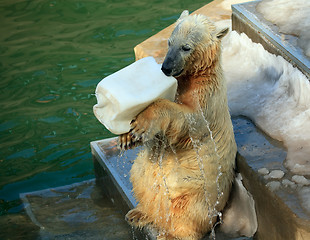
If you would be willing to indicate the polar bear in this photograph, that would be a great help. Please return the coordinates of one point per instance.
(183, 176)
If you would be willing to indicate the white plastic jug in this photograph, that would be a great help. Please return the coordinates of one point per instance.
(124, 94)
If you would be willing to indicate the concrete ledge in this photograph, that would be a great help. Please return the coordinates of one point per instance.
(275, 219)
(246, 19)
(112, 170)
(112, 175)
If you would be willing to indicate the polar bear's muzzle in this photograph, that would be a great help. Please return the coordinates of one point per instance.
(173, 64)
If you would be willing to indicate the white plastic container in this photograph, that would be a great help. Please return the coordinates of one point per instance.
(124, 94)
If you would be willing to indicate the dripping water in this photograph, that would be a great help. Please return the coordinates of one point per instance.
(134, 237)
(161, 146)
(167, 194)
(219, 193)
(197, 146)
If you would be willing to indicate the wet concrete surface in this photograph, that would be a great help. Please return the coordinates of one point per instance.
(266, 157)
(18, 226)
(77, 211)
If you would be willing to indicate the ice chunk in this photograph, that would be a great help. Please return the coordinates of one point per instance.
(275, 174)
(124, 94)
(301, 180)
(239, 217)
(288, 183)
(263, 171)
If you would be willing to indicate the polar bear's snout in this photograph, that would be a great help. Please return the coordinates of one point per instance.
(173, 64)
(166, 70)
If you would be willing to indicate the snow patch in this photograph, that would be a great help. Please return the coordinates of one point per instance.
(272, 93)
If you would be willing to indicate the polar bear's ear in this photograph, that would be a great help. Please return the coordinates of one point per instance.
(183, 15)
(222, 33)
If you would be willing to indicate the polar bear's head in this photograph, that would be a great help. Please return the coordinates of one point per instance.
(193, 44)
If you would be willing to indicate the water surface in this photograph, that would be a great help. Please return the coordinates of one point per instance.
(52, 55)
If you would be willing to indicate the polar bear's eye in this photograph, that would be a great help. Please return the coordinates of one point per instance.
(186, 48)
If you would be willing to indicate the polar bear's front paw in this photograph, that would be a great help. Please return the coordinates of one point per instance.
(128, 141)
(139, 128)
(136, 218)
(124, 141)
(144, 127)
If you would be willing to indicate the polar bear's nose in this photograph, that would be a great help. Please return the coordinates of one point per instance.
(166, 71)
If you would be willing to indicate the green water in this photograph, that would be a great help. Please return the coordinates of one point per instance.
(52, 55)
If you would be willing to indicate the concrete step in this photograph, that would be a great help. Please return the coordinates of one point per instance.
(76, 211)
(279, 213)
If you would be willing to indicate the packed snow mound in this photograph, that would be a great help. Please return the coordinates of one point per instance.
(272, 93)
(292, 17)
